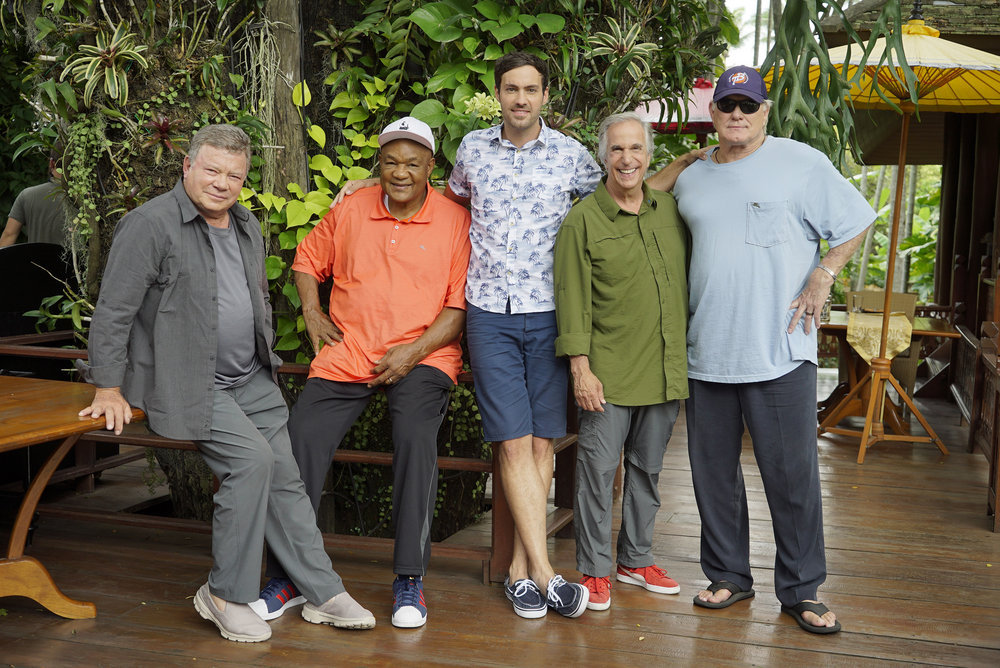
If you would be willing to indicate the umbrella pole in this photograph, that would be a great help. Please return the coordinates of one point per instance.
(881, 366)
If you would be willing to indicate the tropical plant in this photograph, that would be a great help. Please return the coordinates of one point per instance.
(107, 61)
(821, 116)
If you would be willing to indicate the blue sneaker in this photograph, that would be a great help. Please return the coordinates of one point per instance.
(278, 595)
(569, 600)
(409, 610)
(526, 597)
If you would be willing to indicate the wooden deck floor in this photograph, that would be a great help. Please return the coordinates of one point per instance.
(914, 575)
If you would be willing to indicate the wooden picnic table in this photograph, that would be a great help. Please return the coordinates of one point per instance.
(32, 411)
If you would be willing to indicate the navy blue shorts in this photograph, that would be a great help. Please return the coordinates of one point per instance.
(520, 383)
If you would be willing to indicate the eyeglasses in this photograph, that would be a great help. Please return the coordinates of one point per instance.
(727, 104)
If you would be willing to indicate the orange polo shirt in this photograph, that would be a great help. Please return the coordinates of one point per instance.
(391, 279)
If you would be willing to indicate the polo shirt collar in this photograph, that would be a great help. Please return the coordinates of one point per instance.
(609, 207)
(422, 216)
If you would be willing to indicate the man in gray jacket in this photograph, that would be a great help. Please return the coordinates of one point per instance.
(182, 330)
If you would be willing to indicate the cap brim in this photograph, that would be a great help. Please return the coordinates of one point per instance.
(756, 97)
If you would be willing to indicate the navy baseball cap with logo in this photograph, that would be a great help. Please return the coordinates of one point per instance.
(741, 80)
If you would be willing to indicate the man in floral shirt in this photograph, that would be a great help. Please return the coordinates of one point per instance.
(519, 179)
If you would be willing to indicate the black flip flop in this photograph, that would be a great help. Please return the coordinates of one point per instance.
(817, 609)
(737, 595)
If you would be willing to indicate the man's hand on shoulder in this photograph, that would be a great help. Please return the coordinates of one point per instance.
(109, 402)
(352, 187)
(666, 178)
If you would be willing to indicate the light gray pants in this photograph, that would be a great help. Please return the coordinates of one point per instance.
(260, 496)
(781, 417)
(644, 431)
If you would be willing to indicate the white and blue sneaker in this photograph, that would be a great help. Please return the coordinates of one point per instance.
(278, 595)
(409, 610)
(526, 598)
(569, 600)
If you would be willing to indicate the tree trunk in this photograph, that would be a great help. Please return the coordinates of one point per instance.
(907, 226)
(756, 36)
(293, 162)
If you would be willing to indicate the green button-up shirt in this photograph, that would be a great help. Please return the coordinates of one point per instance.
(621, 296)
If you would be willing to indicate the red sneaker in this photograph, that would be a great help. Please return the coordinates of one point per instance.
(600, 592)
(653, 578)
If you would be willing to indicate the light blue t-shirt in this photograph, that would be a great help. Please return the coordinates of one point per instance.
(755, 227)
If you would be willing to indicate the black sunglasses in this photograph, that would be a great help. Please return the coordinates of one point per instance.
(727, 104)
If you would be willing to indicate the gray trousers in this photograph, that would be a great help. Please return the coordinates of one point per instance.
(322, 417)
(644, 431)
(261, 496)
(781, 417)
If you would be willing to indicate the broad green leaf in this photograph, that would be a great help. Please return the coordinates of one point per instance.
(68, 94)
(318, 135)
(288, 239)
(237, 80)
(489, 9)
(356, 173)
(356, 115)
(507, 31)
(437, 21)
(292, 295)
(301, 97)
(470, 44)
(527, 20)
(318, 162)
(493, 52)
(274, 266)
(462, 93)
(297, 214)
(431, 112)
(323, 199)
(295, 189)
(549, 23)
(289, 341)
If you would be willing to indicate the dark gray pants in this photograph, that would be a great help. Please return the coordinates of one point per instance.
(260, 497)
(644, 431)
(781, 417)
(324, 414)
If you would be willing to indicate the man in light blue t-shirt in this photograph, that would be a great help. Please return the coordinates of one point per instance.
(757, 208)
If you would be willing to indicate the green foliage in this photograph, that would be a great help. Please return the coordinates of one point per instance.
(18, 169)
(430, 59)
(107, 61)
(820, 115)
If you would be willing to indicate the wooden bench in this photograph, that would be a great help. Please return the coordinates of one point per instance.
(495, 558)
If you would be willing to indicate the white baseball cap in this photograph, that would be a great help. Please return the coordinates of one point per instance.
(410, 128)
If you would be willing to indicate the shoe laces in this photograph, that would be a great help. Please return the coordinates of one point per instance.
(552, 594)
(659, 572)
(598, 585)
(409, 593)
(275, 587)
(522, 587)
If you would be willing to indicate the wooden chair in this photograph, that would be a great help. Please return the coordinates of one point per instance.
(904, 365)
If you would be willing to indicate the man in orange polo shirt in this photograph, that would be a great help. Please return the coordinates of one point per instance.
(398, 254)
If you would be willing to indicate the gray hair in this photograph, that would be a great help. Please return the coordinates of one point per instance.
(222, 136)
(615, 119)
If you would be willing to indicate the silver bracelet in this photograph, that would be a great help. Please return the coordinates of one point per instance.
(827, 269)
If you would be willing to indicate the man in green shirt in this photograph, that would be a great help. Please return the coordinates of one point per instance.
(621, 309)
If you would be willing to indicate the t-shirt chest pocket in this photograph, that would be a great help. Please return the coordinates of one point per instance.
(767, 223)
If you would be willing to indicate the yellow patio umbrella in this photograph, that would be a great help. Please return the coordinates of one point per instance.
(949, 77)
